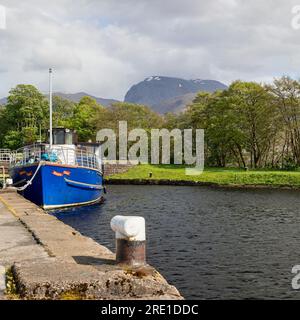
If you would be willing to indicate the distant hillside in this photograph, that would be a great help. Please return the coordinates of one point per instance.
(176, 104)
(166, 94)
(162, 94)
(3, 101)
(75, 97)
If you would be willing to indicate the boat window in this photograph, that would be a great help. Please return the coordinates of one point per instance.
(69, 138)
(59, 137)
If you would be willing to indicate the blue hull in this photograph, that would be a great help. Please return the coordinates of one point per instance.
(56, 186)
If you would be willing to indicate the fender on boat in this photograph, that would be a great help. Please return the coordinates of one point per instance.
(83, 185)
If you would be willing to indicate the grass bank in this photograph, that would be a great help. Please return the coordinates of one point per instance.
(219, 176)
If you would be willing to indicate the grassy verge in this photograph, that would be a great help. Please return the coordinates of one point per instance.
(221, 176)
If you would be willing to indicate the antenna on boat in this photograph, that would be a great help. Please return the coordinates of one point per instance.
(50, 106)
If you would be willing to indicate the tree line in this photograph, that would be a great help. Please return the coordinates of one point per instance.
(248, 125)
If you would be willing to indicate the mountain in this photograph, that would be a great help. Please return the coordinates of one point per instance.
(166, 94)
(75, 97)
(162, 94)
(3, 101)
(176, 104)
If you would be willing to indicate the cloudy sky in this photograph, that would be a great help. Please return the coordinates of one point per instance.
(103, 47)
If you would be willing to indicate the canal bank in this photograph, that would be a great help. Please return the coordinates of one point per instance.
(50, 260)
(146, 174)
(190, 183)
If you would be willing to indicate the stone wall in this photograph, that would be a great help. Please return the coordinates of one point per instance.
(116, 168)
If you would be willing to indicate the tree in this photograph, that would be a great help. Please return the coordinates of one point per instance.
(256, 118)
(26, 106)
(25, 112)
(237, 122)
(2, 125)
(212, 112)
(286, 99)
(63, 111)
(84, 117)
(137, 116)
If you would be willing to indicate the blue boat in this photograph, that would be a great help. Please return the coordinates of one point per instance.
(59, 175)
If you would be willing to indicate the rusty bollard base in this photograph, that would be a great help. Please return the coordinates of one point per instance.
(131, 253)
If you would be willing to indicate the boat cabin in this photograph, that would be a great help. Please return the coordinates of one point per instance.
(63, 136)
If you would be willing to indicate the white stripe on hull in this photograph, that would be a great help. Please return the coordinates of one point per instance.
(46, 207)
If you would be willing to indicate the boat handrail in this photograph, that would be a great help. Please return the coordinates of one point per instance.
(61, 154)
(5, 155)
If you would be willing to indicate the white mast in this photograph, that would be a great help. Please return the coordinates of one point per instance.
(50, 105)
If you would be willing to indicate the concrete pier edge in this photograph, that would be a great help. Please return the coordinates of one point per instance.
(2, 281)
(60, 263)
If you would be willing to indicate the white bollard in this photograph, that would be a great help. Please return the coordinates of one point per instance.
(9, 182)
(130, 239)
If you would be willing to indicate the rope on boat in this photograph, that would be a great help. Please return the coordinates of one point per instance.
(31, 180)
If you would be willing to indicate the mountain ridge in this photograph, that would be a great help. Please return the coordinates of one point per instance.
(158, 92)
(162, 94)
(75, 97)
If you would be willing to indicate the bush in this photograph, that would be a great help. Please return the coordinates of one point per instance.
(289, 164)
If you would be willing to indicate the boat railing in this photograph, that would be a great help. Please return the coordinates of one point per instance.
(5, 155)
(66, 155)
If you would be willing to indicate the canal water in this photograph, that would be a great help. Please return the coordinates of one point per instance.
(210, 243)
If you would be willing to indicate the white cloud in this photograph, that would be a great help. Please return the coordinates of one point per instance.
(2, 17)
(103, 47)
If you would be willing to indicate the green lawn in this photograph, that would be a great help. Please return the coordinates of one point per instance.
(222, 176)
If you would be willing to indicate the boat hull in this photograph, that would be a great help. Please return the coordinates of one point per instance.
(58, 186)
